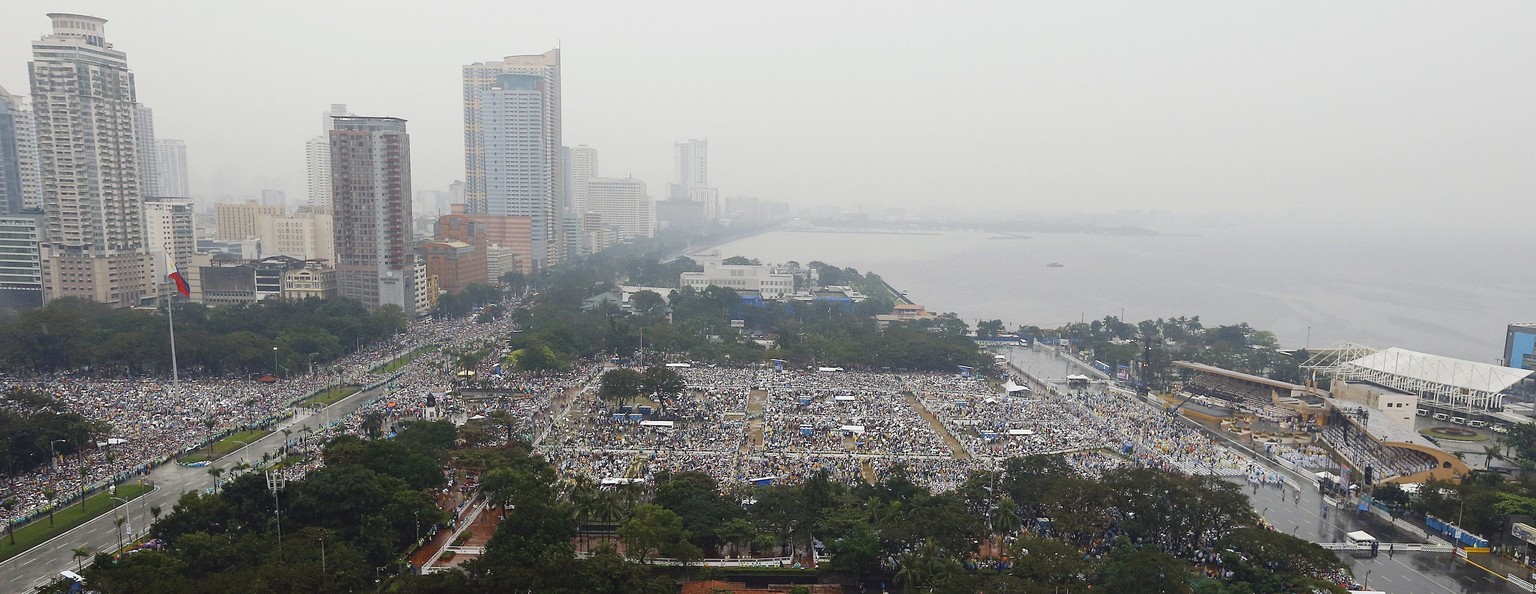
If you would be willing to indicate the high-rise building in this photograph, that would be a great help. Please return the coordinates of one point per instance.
(583, 167)
(88, 159)
(690, 168)
(168, 226)
(306, 235)
(21, 271)
(144, 144)
(622, 205)
(514, 234)
(1520, 346)
(21, 183)
(371, 206)
(171, 168)
(455, 264)
(241, 221)
(456, 191)
(317, 154)
(512, 145)
(276, 198)
(10, 154)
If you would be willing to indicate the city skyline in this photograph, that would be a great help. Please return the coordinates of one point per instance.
(1094, 109)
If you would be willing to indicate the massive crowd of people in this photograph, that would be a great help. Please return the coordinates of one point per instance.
(861, 425)
(856, 425)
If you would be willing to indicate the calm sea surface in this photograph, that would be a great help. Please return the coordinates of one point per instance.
(1449, 295)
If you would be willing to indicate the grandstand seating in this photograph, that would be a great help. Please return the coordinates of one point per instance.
(1387, 462)
(1248, 396)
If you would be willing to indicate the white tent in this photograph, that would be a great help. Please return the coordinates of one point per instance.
(829, 369)
(1014, 388)
(853, 428)
(1021, 432)
(844, 398)
(679, 365)
(658, 424)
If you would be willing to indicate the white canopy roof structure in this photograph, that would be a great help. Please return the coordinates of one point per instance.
(1020, 432)
(1446, 380)
(853, 428)
(679, 365)
(1077, 378)
(844, 398)
(661, 424)
(1013, 387)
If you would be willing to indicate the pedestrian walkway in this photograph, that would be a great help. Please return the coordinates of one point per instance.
(955, 447)
(756, 400)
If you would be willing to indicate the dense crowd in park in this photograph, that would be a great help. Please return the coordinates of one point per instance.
(154, 419)
(860, 425)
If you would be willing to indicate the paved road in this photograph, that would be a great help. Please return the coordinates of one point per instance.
(42, 563)
(1045, 365)
(1395, 573)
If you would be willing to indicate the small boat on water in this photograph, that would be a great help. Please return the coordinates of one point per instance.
(1054, 265)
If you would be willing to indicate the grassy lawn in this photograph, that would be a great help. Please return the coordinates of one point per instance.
(64, 519)
(400, 363)
(226, 445)
(329, 397)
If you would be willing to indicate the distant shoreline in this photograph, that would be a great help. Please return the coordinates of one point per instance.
(863, 231)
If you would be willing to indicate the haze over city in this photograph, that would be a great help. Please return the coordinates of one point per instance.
(1410, 113)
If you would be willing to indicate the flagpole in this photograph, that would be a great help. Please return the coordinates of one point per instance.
(170, 318)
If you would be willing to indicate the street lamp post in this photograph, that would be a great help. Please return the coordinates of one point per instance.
(124, 517)
(53, 458)
(274, 362)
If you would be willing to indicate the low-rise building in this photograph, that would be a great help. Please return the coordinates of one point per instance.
(771, 281)
(455, 264)
(314, 281)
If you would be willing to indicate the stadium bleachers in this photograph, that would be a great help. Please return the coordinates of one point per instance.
(1246, 396)
(1387, 462)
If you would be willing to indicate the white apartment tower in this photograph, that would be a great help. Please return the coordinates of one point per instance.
(317, 155)
(93, 209)
(144, 145)
(621, 205)
(691, 167)
(583, 167)
(168, 226)
(512, 145)
(171, 168)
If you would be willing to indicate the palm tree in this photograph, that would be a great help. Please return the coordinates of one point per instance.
(118, 521)
(154, 514)
(911, 574)
(82, 488)
(1005, 520)
(1490, 453)
(80, 553)
(215, 472)
(49, 493)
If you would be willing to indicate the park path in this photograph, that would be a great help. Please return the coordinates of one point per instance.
(867, 470)
(954, 444)
(756, 401)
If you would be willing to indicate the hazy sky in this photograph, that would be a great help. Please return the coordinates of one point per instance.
(1418, 111)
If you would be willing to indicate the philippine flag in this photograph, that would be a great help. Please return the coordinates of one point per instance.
(175, 275)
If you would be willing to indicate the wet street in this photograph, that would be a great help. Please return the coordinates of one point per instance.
(1391, 571)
